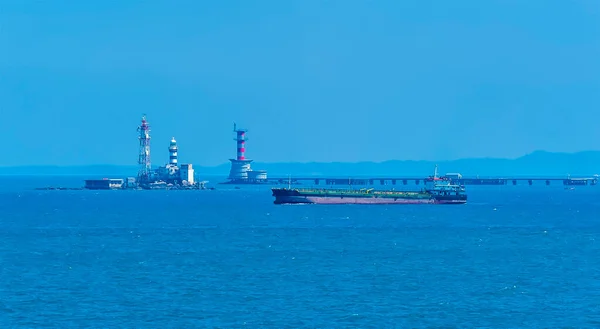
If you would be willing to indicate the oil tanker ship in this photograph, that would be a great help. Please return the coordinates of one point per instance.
(436, 191)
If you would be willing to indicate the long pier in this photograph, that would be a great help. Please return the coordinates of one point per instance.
(421, 180)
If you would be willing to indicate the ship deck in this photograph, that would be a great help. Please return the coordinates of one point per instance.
(353, 192)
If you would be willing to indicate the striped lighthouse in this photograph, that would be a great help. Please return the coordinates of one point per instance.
(240, 165)
(241, 144)
(173, 152)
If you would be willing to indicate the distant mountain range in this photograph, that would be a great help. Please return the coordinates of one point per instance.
(539, 163)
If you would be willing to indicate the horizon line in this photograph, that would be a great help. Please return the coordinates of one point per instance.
(311, 162)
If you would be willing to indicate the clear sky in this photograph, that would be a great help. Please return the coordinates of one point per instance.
(345, 80)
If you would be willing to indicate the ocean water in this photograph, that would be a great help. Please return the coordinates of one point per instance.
(513, 257)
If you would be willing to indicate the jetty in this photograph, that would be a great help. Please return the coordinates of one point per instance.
(457, 179)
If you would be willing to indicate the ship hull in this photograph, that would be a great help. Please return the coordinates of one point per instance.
(346, 200)
(281, 197)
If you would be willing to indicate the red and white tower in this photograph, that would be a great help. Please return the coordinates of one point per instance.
(240, 138)
(240, 165)
(144, 152)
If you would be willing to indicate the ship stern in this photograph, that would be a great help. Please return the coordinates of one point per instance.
(455, 199)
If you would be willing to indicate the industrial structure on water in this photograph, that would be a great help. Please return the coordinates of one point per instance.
(175, 175)
(240, 172)
(181, 176)
(454, 177)
(170, 176)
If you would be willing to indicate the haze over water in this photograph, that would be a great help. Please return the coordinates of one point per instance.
(313, 81)
(512, 257)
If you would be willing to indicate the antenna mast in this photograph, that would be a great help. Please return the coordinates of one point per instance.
(144, 151)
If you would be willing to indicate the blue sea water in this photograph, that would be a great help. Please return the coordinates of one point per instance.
(513, 257)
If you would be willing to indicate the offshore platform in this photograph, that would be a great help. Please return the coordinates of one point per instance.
(240, 172)
(181, 176)
(170, 176)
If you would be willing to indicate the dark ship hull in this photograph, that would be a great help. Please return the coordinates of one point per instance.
(330, 196)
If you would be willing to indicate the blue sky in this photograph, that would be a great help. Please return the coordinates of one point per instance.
(312, 80)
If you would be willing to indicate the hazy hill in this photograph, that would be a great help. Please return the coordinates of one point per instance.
(535, 164)
(538, 163)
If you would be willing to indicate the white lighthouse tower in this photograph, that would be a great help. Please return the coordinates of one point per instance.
(170, 172)
(173, 152)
